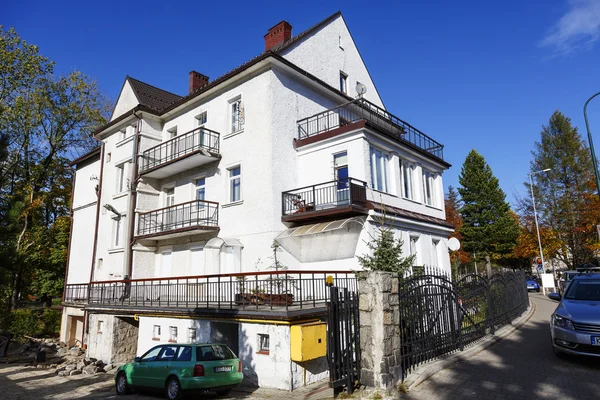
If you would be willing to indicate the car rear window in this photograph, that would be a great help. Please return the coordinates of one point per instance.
(584, 290)
(214, 352)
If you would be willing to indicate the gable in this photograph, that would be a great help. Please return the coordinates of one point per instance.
(127, 100)
(329, 50)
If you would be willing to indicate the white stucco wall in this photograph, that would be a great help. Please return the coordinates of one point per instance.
(100, 344)
(322, 55)
(126, 101)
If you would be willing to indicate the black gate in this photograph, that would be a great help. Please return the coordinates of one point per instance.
(343, 339)
(438, 316)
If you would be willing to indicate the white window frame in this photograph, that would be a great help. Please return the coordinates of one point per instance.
(379, 163)
(100, 326)
(343, 82)
(192, 335)
(195, 186)
(120, 178)
(429, 184)
(407, 173)
(156, 332)
(241, 121)
(263, 343)
(413, 245)
(230, 179)
(117, 232)
(173, 333)
(199, 117)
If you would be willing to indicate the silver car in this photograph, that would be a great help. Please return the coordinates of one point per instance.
(575, 324)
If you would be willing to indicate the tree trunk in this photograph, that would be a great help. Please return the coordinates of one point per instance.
(488, 265)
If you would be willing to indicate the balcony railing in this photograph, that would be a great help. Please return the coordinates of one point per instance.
(179, 146)
(283, 290)
(196, 213)
(324, 196)
(76, 293)
(361, 109)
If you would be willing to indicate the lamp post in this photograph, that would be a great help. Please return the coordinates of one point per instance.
(537, 228)
(587, 126)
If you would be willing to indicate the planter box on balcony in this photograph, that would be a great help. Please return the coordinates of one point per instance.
(264, 298)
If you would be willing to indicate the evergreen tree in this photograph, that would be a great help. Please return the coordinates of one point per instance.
(488, 226)
(566, 200)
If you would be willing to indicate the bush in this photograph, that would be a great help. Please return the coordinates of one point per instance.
(35, 323)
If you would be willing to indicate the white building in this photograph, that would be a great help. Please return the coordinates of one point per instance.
(197, 188)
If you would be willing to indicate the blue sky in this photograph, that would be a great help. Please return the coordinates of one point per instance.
(471, 74)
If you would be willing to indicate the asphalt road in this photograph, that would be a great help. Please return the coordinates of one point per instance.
(522, 366)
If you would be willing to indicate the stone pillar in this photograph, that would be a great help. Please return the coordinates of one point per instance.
(379, 330)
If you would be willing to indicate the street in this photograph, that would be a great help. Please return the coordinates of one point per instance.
(522, 366)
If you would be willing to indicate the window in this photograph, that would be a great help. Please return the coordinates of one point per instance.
(173, 145)
(434, 253)
(407, 180)
(173, 334)
(235, 184)
(152, 353)
(263, 343)
(184, 354)
(236, 111)
(117, 226)
(340, 42)
(191, 335)
(100, 326)
(120, 178)
(170, 217)
(413, 245)
(99, 263)
(343, 82)
(108, 155)
(168, 353)
(340, 166)
(200, 189)
(428, 186)
(379, 162)
(122, 134)
(213, 352)
(156, 333)
(201, 118)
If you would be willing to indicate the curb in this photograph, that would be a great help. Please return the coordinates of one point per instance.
(428, 370)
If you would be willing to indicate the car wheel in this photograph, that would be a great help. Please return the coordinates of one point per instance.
(223, 392)
(121, 385)
(173, 389)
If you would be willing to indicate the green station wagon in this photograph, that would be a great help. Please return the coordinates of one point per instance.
(178, 368)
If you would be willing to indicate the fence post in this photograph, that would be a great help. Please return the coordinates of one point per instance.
(490, 307)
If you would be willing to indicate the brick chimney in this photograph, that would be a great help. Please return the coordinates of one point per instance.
(197, 80)
(278, 34)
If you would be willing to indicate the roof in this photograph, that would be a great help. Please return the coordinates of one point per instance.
(409, 214)
(151, 96)
(86, 156)
(288, 43)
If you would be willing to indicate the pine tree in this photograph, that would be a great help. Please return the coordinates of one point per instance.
(488, 226)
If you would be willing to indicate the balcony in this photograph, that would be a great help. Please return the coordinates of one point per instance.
(76, 294)
(178, 220)
(329, 200)
(359, 113)
(181, 153)
(283, 294)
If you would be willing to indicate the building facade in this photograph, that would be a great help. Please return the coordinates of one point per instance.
(289, 160)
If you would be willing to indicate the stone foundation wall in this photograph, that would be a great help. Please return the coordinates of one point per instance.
(125, 340)
(379, 330)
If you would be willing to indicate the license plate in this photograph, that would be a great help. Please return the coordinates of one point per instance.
(595, 340)
(229, 368)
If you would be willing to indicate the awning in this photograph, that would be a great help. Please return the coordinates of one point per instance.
(325, 241)
(217, 243)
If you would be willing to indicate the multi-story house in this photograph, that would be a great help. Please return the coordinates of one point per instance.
(294, 147)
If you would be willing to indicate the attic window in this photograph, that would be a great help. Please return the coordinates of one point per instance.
(343, 82)
(340, 42)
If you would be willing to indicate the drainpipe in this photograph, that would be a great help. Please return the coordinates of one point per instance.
(99, 194)
(132, 198)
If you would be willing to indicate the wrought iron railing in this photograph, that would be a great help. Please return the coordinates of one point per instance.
(324, 196)
(259, 290)
(76, 293)
(361, 109)
(439, 316)
(179, 146)
(195, 213)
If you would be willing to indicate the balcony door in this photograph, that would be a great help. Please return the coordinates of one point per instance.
(174, 143)
(340, 165)
(170, 217)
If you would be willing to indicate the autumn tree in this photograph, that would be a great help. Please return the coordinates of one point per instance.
(488, 227)
(566, 199)
(45, 121)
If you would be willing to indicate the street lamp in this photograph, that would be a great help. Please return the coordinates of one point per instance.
(537, 228)
(587, 126)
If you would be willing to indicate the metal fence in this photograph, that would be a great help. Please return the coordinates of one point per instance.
(324, 196)
(179, 146)
(260, 290)
(438, 316)
(195, 213)
(362, 109)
